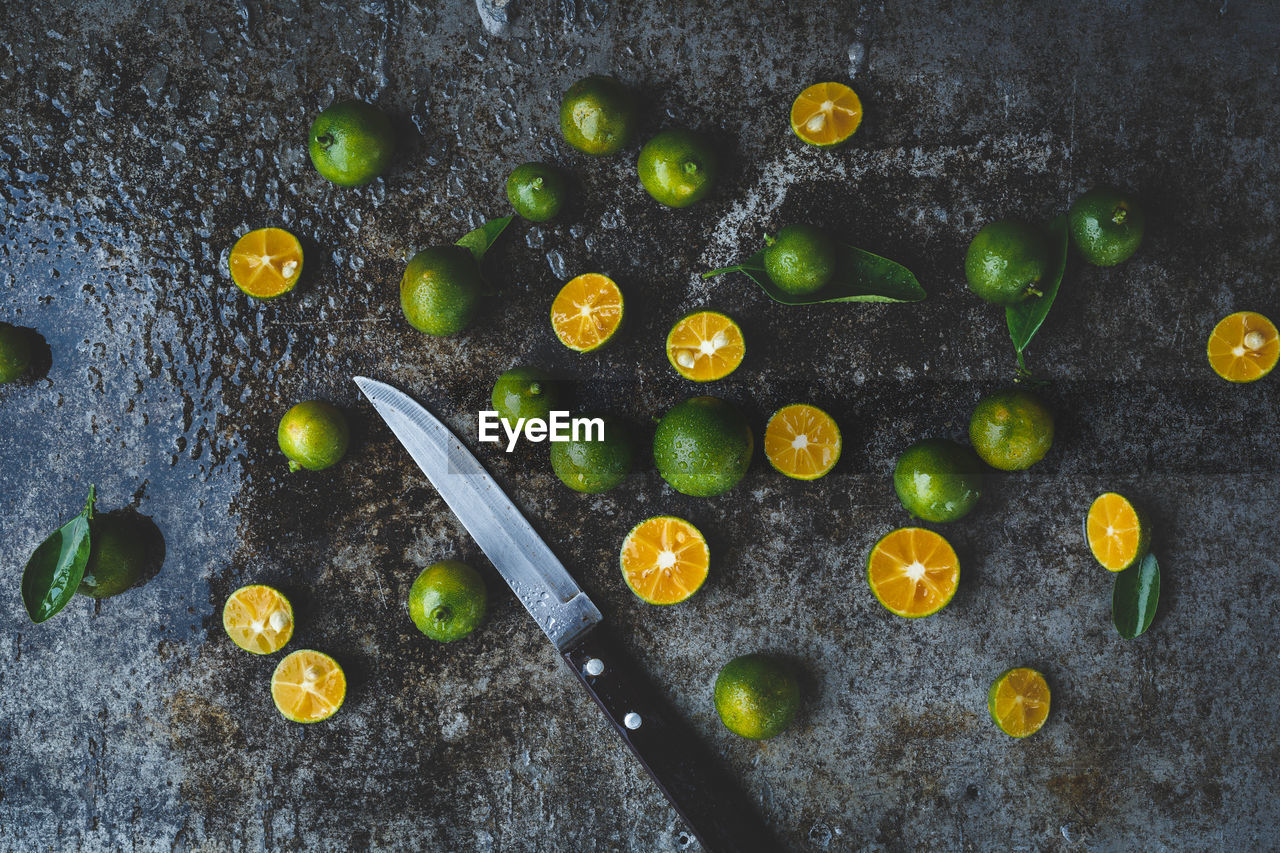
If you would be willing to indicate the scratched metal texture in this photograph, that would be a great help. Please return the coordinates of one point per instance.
(138, 140)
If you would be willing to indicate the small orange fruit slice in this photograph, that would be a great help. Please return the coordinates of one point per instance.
(802, 441)
(587, 312)
(266, 263)
(1116, 532)
(1018, 701)
(913, 572)
(308, 686)
(826, 114)
(665, 559)
(258, 619)
(1244, 347)
(705, 346)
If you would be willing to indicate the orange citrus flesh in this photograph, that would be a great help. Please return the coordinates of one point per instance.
(1114, 531)
(258, 619)
(1244, 347)
(802, 441)
(665, 559)
(913, 572)
(586, 312)
(705, 346)
(1019, 702)
(308, 686)
(826, 114)
(266, 262)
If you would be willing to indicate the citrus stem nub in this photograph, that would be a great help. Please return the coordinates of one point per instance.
(324, 140)
(294, 467)
(1035, 291)
(1119, 215)
(441, 614)
(691, 167)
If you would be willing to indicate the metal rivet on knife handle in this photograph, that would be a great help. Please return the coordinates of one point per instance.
(594, 667)
(632, 721)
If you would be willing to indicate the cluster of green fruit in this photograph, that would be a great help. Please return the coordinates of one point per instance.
(1008, 259)
(941, 480)
(702, 446)
(441, 289)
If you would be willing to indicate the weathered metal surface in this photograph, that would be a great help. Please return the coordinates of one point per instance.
(140, 140)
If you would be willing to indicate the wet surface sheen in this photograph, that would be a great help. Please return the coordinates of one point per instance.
(139, 141)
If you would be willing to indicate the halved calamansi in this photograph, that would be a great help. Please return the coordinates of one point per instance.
(826, 114)
(802, 441)
(1244, 347)
(705, 346)
(258, 619)
(266, 263)
(913, 572)
(587, 312)
(665, 559)
(1116, 532)
(1018, 701)
(308, 686)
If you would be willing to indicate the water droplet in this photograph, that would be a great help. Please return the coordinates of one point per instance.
(555, 259)
(857, 57)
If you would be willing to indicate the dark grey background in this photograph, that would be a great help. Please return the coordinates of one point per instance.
(139, 141)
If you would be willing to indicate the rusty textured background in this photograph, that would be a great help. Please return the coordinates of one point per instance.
(139, 140)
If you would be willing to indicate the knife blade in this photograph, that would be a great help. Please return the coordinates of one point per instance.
(538, 579)
(715, 810)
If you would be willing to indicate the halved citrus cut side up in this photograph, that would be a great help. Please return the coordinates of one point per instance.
(1244, 347)
(705, 346)
(913, 572)
(1019, 701)
(802, 441)
(308, 686)
(1115, 531)
(258, 619)
(665, 559)
(266, 263)
(587, 312)
(826, 114)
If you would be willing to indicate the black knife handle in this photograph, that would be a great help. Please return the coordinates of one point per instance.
(714, 808)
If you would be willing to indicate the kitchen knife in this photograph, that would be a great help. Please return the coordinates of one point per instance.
(715, 810)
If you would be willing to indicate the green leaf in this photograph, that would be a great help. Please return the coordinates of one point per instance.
(1135, 596)
(482, 239)
(56, 568)
(860, 277)
(1025, 318)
